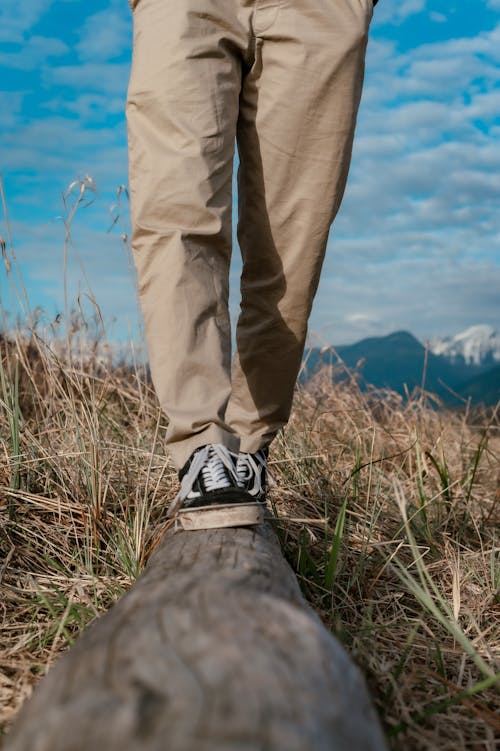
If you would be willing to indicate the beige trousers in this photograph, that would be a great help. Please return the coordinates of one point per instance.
(283, 78)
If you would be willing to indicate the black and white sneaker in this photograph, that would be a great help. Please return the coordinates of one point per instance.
(251, 470)
(210, 494)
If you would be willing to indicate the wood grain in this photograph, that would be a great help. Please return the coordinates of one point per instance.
(213, 649)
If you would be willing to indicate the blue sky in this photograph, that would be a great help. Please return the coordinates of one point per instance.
(416, 244)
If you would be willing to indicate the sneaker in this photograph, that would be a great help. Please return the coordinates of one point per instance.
(210, 494)
(251, 471)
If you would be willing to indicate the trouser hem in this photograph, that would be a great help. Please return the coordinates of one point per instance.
(250, 445)
(180, 451)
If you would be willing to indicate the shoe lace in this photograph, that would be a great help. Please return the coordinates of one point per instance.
(254, 465)
(217, 470)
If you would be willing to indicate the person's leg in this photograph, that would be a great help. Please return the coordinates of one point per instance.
(295, 130)
(182, 109)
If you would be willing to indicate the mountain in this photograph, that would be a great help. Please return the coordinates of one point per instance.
(477, 345)
(484, 388)
(394, 361)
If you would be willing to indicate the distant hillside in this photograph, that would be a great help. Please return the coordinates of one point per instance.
(395, 360)
(484, 388)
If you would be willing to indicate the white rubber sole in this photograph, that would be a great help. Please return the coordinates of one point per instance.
(223, 515)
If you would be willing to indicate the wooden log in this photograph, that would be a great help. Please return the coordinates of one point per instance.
(213, 649)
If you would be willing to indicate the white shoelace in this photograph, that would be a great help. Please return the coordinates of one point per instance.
(214, 472)
(210, 460)
(254, 466)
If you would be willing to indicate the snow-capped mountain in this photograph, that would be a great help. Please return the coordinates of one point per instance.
(477, 345)
(459, 368)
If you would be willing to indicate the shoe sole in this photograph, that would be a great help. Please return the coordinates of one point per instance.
(222, 515)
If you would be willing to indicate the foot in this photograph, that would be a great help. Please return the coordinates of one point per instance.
(209, 479)
(251, 471)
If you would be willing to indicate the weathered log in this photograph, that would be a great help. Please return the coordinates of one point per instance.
(213, 649)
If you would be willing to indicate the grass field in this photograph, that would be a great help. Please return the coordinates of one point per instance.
(387, 508)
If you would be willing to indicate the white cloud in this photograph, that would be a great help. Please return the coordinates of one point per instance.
(396, 11)
(437, 17)
(51, 141)
(485, 43)
(103, 77)
(10, 107)
(33, 52)
(89, 107)
(17, 18)
(104, 36)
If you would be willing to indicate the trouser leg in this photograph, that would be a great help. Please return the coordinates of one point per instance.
(298, 110)
(182, 108)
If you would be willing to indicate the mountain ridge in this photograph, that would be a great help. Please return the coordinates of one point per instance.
(478, 345)
(399, 361)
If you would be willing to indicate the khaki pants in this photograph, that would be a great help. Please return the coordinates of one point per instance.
(283, 78)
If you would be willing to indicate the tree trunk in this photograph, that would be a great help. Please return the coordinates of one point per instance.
(213, 649)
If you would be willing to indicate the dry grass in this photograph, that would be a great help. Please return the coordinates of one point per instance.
(387, 512)
(405, 569)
